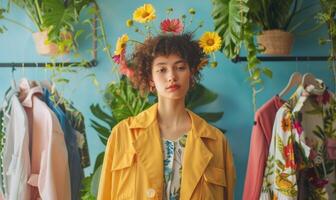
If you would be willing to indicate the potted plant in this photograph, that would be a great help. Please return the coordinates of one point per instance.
(274, 18)
(54, 20)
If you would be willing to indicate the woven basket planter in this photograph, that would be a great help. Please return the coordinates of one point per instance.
(276, 42)
(48, 49)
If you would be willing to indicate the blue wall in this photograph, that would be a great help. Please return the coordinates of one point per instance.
(227, 80)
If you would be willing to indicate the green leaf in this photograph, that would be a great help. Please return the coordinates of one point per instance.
(124, 100)
(95, 181)
(229, 17)
(211, 117)
(267, 72)
(199, 96)
(256, 74)
(99, 161)
(57, 17)
(280, 165)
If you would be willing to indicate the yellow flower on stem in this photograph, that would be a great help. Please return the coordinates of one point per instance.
(210, 42)
(121, 43)
(144, 14)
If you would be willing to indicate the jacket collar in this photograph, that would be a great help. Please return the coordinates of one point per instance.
(147, 117)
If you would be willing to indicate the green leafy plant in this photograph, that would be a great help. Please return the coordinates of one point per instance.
(54, 16)
(233, 23)
(326, 16)
(239, 21)
(272, 14)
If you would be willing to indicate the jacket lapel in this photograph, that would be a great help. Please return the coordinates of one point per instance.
(196, 156)
(196, 159)
(148, 147)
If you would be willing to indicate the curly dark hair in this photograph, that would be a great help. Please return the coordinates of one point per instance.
(164, 45)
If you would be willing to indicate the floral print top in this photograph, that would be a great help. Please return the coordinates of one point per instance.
(302, 154)
(173, 157)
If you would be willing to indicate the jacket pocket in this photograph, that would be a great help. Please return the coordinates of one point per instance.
(123, 169)
(215, 176)
(214, 183)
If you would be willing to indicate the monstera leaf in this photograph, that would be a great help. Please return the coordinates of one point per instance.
(201, 96)
(58, 16)
(229, 17)
(124, 100)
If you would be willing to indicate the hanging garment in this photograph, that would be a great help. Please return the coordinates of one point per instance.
(76, 119)
(173, 157)
(16, 159)
(50, 178)
(301, 160)
(133, 161)
(76, 172)
(259, 146)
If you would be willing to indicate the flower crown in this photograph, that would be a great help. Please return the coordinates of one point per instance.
(145, 15)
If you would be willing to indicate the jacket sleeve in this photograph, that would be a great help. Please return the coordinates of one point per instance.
(105, 183)
(256, 163)
(230, 172)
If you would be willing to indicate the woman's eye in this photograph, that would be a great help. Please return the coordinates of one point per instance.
(161, 70)
(181, 68)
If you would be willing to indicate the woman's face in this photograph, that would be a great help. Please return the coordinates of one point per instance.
(171, 76)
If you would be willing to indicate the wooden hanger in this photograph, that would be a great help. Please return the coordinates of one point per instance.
(294, 80)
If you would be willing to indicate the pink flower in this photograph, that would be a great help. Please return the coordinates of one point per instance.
(174, 26)
(325, 97)
(123, 68)
(319, 183)
(298, 127)
(117, 58)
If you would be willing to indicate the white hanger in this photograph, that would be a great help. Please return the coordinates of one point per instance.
(294, 80)
(309, 79)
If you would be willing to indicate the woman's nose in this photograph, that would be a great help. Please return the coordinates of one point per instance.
(172, 76)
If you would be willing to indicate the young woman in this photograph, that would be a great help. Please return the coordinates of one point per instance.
(167, 151)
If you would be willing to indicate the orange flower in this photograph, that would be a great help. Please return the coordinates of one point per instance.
(286, 123)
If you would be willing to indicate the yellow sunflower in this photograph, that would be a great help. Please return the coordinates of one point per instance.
(121, 44)
(210, 42)
(144, 14)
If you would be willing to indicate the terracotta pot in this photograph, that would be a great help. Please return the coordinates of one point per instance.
(276, 42)
(48, 49)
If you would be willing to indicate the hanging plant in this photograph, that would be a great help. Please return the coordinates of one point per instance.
(327, 16)
(233, 25)
(239, 21)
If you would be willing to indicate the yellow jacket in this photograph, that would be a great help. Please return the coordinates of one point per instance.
(133, 162)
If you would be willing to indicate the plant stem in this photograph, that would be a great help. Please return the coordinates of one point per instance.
(103, 32)
(37, 6)
(18, 23)
(254, 93)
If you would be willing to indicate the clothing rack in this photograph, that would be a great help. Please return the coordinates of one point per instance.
(92, 63)
(283, 58)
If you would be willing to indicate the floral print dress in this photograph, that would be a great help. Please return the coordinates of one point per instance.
(173, 157)
(302, 154)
